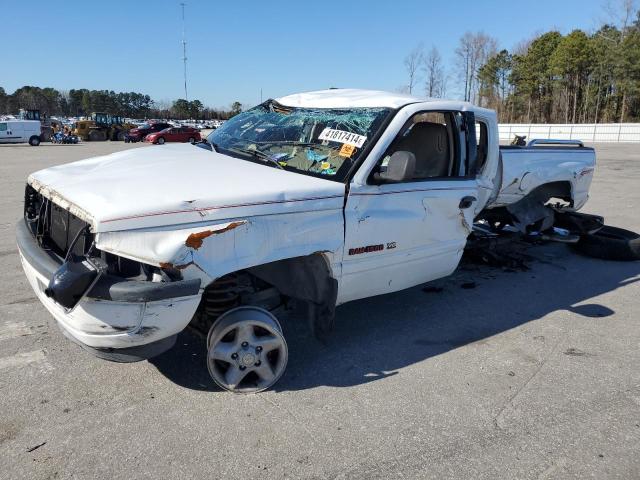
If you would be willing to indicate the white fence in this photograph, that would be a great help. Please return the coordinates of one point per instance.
(587, 132)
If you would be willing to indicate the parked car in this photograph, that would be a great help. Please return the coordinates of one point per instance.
(20, 131)
(174, 134)
(138, 134)
(322, 198)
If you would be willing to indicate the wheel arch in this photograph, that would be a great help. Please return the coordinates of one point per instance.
(532, 210)
(308, 279)
(562, 189)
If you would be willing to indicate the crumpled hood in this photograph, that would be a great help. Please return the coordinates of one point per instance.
(177, 184)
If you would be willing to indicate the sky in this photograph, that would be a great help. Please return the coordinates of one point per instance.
(235, 49)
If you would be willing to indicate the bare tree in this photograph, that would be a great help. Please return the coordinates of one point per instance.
(434, 74)
(485, 48)
(473, 51)
(464, 53)
(412, 64)
(522, 47)
(621, 13)
(164, 107)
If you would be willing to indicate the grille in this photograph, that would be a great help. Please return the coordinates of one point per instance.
(54, 227)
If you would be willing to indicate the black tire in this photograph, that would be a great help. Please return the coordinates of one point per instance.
(160, 141)
(610, 243)
(192, 140)
(120, 136)
(96, 136)
(34, 141)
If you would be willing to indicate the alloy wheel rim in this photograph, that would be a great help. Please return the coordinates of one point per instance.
(246, 356)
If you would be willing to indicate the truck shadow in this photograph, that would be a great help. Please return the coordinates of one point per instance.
(375, 338)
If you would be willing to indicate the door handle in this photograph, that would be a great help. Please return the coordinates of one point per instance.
(466, 202)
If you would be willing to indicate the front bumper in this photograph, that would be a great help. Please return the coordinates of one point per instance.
(121, 320)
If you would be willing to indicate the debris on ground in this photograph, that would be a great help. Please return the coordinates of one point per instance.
(29, 450)
(505, 250)
(576, 352)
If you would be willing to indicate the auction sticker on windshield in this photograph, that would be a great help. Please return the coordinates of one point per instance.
(347, 150)
(342, 136)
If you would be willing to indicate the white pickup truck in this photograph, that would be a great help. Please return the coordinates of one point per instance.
(322, 197)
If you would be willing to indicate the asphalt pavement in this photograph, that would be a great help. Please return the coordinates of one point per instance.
(490, 373)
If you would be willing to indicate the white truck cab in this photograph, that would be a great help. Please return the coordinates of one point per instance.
(322, 197)
(20, 131)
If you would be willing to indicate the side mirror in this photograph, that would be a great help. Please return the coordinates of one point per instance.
(401, 168)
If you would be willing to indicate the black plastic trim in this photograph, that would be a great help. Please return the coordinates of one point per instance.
(44, 261)
(113, 288)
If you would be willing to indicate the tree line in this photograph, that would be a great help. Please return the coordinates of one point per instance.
(579, 77)
(82, 102)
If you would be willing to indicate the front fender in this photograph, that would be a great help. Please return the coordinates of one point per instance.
(211, 250)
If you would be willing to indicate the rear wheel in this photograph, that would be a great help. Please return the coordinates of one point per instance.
(120, 136)
(192, 140)
(34, 141)
(247, 352)
(610, 243)
(161, 141)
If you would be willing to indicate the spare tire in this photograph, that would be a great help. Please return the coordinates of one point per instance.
(610, 243)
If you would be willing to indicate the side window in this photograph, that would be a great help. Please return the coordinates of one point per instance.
(483, 144)
(3, 127)
(438, 143)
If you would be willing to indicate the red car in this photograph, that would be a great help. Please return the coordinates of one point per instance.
(138, 134)
(174, 134)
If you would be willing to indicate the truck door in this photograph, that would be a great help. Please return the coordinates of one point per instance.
(402, 234)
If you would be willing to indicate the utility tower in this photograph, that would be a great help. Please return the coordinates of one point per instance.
(184, 53)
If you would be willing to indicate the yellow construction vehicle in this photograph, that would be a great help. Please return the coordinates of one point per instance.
(94, 129)
(101, 126)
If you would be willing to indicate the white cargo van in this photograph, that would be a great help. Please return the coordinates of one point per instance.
(20, 131)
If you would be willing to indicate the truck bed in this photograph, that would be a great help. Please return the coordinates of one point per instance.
(522, 169)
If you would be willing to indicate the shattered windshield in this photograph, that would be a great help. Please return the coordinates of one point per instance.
(314, 141)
